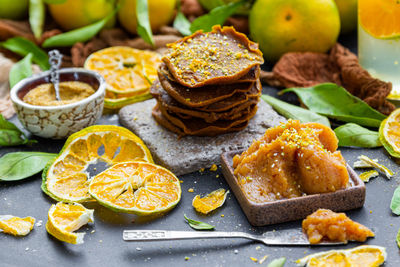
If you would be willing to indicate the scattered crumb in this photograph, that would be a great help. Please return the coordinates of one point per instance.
(213, 168)
(181, 181)
(93, 231)
(187, 258)
(100, 241)
(39, 223)
(217, 176)
(190, 190)
(139, 249)
(263, 259)
(95, 169)
(258, 247)
(201, 170)
(253, 259)
(236, 251)
(135, 118)
(370, 211)
(222, 215)
(27, 249)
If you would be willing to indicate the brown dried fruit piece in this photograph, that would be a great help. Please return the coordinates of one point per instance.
(340, 66)
(333, 226)
(200, 97)
(217, 57)
(290, 160)
(209, 130)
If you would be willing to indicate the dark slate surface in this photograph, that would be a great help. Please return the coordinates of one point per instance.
(105, 247)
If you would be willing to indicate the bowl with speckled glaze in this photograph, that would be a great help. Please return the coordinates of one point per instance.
(58, 122)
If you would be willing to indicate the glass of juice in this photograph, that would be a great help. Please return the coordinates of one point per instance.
(379, 40)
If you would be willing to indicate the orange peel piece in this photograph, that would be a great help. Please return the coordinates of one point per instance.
(210, 202)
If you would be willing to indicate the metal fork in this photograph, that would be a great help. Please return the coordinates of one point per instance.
(290, 237)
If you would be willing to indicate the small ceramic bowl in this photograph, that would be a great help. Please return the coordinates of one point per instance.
(59, 122)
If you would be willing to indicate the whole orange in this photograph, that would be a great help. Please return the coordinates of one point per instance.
(161, 12)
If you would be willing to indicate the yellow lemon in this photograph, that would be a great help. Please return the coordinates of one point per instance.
(74, 14)
(161, 12)
(281, 26)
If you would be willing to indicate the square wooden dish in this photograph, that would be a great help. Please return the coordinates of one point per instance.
(260, 214)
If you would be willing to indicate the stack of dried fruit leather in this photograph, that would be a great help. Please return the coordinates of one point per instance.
(208, 83)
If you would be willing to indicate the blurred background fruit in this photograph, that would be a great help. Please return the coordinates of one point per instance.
(211, 4)
(161, 12)
(348, 15)
(13, 9)
(74, 14)
(281, 26)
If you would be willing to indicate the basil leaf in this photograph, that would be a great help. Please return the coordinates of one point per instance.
(197, 225)
(80, 35)
(19, 165)
(10, 135)
(182, 24)
(395, 203)
(334, 101)
(277, 262)
(352, 134)
(216, 16)
(55, 1)
(37, 14)
(21, 70)
(295, 112)
(23, 47)
(143, 22)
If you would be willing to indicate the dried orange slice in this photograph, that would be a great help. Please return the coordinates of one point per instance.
(67, 177)
(16, 226)
(361, 256)
(389, 133)
(136, 187)
(127, 71)
(210, 202)
(380, 18)
(64, 219)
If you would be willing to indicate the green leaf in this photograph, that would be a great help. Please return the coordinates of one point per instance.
(182, 24)
(10, 135)
(143, 21)
(398, 238)
(21, 70)
(216, 16)
(37, 15)
(23, 47)
(295, 112)
(335, 102)
(352, 134)
(20, 165)
(197, 225)
(78, 35)
(395, 203)
(277, 262)
(55, 1)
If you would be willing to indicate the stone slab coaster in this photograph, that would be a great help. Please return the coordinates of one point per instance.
(191, 153)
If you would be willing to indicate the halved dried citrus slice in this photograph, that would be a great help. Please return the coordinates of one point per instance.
(67, 177)
(210, 202)
(136, 187)
(16, 226)
(380, 18)
(389, 133)
(125, 69)
(361, 256)
(65, 218)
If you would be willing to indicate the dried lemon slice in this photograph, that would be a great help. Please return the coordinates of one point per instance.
(361, 256)
(65, 218)
(389, 133)
(16, 226)
(128, 72)
(136, 187)
(67, 177)
(210, 202)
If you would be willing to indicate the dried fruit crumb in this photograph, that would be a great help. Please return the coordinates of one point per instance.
(213, 168)
(222, 215)
(190, 190)
(253, 259)
(263, 259)
(187, 258)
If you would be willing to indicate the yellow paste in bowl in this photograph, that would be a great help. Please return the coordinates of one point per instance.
(70, 92)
